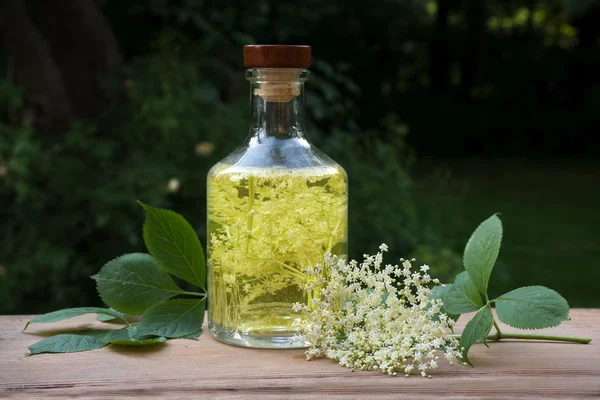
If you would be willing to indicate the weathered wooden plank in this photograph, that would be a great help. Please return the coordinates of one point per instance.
(183, 369)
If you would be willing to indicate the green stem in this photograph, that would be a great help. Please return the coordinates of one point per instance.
(250, 218)
(498, 330)
(526, 336)
(203, 295)
(330, 244)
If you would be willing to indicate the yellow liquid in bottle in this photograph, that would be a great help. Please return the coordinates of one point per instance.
(265, 226)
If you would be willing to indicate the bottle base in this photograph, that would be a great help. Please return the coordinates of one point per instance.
(258, 341)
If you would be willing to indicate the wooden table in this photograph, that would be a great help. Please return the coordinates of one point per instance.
(185, 369)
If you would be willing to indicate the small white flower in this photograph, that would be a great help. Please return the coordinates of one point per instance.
(383, 247)
(349, 321)
(204, 148)
(173, 185)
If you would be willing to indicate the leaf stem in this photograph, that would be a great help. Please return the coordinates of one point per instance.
(250, 218)
(526, 336)
(499, 332)
(194, 294)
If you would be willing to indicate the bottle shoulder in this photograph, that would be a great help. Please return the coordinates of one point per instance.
(281, 155)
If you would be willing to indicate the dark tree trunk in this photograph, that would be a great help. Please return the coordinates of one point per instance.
(440, 53)
(84, 47)
(532, 5)
(48, 105)
(586, 57)
(475, 45)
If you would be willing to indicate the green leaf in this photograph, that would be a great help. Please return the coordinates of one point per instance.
(70, 343)
(118, 334)
(173, 318)
(139, 342)
(174, 244)
(104, 317)
(476, 330)
(482, 251)
(128, 337)
(439, 292)
(462, 297)
(134, 282)
(67, 313)
(532, 307)
(192, 336)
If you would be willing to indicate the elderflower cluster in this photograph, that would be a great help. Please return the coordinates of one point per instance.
(375, 317)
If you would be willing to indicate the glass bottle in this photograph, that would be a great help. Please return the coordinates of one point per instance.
(276, 205)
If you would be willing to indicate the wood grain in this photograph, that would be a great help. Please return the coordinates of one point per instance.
(277, 56)
(184, 369)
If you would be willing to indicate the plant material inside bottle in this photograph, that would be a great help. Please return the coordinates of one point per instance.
(266, 226)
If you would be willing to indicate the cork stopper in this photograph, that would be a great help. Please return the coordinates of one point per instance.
(280, 65)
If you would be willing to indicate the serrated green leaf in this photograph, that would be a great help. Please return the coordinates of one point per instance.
(462, 297)
(128, 337)
(174, 244)
(134, 282)
(173, 318)
(141, 342)
(67, 313)
(476, 330)
(439, 292)
(70, 343)
(192, 336)
(118, 334)
(481, 252)
(532, 307)
(105, 318)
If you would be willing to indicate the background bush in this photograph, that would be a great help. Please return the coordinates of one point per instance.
(394, 84)
(71, 199)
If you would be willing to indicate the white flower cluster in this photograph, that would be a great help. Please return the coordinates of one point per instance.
(375, 317)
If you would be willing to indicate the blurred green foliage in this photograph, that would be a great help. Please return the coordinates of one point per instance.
(69, 202)
(549, 211)
(384, 74)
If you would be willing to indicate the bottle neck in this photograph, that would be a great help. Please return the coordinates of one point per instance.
(277, 103)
